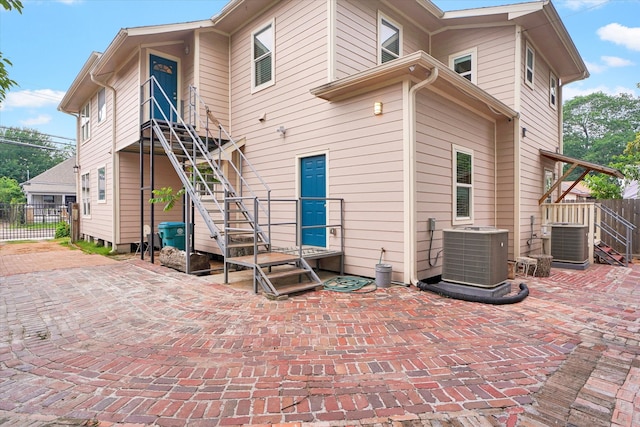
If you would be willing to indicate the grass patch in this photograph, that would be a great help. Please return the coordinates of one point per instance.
(86, 247)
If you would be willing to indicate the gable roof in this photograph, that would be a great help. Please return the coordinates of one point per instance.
(59, 179)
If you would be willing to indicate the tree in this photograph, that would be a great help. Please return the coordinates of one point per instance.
(21, 156)
(608, 187)
(597, 127)
(5, 82)
(10, 191)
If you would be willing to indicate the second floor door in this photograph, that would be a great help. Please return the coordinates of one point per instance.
(165, 72)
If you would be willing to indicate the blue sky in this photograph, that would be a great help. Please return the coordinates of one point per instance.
(50, 41)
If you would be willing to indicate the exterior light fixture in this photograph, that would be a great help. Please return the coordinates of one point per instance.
(76, 168)
(377, 108)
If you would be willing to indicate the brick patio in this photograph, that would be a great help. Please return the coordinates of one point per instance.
(131, 343)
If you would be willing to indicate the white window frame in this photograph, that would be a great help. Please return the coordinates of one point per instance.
(85, 193)
(102, 184)
(85, 122)
(457, 220)
(529, 69)
(102, 105)
(553, 91)
(473, 53)
(391, 22)
(271, 27)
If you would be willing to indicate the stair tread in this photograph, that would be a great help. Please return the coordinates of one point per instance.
(286, 273)
(297, 287)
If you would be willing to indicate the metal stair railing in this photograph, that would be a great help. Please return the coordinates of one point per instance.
(201, 118)
(182, 136)
(610, 217)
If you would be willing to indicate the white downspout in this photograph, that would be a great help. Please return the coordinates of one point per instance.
(115, 168)
(410, 182)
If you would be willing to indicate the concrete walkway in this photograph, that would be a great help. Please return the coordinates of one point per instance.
(129, 343)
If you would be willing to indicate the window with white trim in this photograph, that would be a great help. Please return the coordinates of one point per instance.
(85, 122)
(85, 185)
(102, 105)
(102, 184)
(262, 48)
(553, 91)
(530, 66)
(464, 63)
(463, 184)
(389, 38)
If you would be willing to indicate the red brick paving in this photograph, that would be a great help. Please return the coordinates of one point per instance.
(136, 344)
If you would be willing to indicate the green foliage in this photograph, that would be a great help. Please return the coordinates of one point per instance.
(18, 159)
(10, 191)
(603, 186)
(92, 248)
(5, 82)
(598, 127)
(63, 230)
(167, 196)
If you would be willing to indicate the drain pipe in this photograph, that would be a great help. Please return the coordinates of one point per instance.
(410, 185)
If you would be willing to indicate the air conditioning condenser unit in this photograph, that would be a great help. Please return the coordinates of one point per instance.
(475, 256)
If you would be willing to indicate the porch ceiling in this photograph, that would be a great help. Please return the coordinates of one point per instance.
(587, 166)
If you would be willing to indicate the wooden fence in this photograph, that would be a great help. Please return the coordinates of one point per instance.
(629, 209)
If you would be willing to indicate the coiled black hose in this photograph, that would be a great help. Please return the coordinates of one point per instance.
(511, 299)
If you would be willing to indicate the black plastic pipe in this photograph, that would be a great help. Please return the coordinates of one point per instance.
(512, 299)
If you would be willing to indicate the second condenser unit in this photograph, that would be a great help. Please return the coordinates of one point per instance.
(475, 256)
(570, 243)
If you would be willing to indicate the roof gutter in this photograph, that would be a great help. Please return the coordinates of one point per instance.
(411, 227)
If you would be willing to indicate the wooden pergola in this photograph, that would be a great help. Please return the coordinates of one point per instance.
(588, 167)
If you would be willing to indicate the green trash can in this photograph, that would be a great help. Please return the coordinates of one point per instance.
(172, 234)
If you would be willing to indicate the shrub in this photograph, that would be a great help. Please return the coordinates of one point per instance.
(63, 230)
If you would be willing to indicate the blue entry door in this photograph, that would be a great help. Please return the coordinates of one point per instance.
(166, 73)
(313, 175)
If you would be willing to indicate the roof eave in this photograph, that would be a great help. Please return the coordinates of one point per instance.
(83, 78)
(400, 69)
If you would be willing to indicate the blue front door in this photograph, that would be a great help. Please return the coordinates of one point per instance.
(313, 177)
(166, 73)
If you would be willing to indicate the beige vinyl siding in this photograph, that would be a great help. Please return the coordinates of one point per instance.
(130, 195)
(213, 84)
(505, 179)
(542, 124)
(363, 151)
(127, 86)
(441, 124)
(357, 35)
(495, 61)
(95, 153)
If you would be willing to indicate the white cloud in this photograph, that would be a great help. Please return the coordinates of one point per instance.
(614, 61)
(583, 4)
(42, 119)
(619, 34)
(32, 99)
(573, 90)
(595, 68)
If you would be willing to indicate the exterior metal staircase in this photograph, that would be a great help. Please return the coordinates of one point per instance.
(607, 255)
(230, 212)
(618, 232)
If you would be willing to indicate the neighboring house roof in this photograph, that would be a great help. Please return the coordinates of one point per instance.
(631, 190)
(60, 179)
(579, 189)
